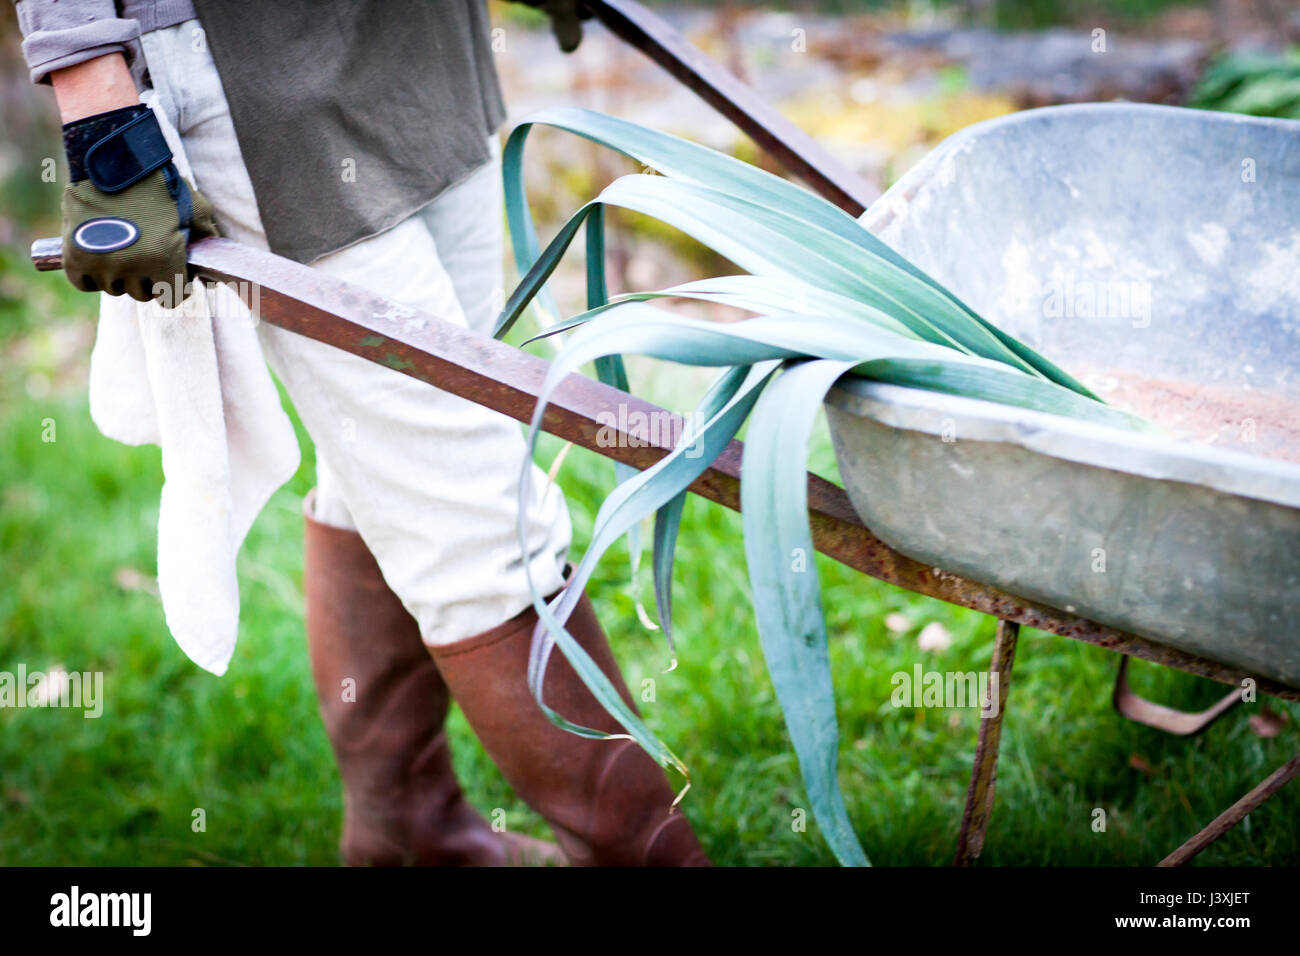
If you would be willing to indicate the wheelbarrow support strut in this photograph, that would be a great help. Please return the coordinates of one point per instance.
(1181, 723)
(984, 772)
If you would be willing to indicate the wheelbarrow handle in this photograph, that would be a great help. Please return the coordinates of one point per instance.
(794, 149)
(47, 254)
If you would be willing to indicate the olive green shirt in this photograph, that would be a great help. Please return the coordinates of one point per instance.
(353, 114)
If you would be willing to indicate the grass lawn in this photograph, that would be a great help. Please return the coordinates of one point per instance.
(77, 539)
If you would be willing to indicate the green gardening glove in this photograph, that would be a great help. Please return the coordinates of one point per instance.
(128, 215)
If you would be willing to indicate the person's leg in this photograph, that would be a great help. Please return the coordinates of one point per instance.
(467, 223)
(607, 801)
(382, 699)
(384, 705)
(430, 481)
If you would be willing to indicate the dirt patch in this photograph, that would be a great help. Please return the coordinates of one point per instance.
(1236, 418)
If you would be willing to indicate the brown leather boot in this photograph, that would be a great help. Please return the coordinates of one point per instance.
(608, 802)
(402, 802)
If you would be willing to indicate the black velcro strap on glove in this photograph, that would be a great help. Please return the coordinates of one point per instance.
(80, 135)
(126, 155)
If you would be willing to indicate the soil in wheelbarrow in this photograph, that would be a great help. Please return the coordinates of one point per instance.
(1236, 418)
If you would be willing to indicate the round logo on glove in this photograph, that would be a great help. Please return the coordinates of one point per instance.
(106, 234)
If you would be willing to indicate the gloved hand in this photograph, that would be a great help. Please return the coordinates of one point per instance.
(566, 20)
(127, 213)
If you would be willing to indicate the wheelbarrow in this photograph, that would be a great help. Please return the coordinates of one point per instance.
(1046, 488)
(1140, 247)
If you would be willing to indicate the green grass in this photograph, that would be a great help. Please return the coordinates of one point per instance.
(249, 750)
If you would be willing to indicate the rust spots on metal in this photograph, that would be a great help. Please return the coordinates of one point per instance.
(396, 363)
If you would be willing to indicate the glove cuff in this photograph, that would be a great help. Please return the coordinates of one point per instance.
(117, 149)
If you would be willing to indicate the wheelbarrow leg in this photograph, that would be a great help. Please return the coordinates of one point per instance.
(1230, 817)
(984, 772)
(1171, 721)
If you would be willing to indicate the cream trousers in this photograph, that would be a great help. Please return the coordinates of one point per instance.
(427, 478)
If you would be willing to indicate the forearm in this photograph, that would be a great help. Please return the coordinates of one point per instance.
(93, 86)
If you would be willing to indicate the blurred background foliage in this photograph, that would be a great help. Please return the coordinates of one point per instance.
(1253, 83)
(880, 83)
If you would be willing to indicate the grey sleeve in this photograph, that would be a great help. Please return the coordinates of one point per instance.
(61, 33)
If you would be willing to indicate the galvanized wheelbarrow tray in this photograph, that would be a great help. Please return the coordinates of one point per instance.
(886, 436)
(1156, 253)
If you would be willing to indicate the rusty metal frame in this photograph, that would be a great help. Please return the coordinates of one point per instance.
(1181, 723)
(785, 142)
